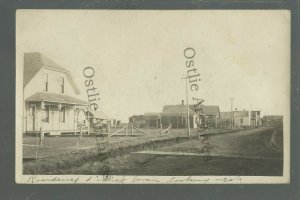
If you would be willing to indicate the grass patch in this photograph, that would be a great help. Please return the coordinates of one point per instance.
(81, 161)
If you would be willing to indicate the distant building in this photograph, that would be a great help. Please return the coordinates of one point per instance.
(246, 118)
(148, 120)
(176, 115)
(271, 120)
(211, 115)
(138, 121)
(255, 118)
(152, 120)
(241, 118)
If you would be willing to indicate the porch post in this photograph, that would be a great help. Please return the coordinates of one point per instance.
(26, 116)
(59, 115)
(52, 117)
(42, 117)
(74, 121)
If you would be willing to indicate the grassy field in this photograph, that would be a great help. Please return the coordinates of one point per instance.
(60, 164)
(117, 155)
(246, 143)
(58, 145)
(165, 165)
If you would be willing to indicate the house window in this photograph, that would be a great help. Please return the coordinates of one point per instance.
(62, 114)
(46, 114)
(45, 82)
(241, 120)
(62, 84)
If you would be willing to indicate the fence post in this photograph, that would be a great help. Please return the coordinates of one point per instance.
(80, 136)
(41, 134)
(160, 127)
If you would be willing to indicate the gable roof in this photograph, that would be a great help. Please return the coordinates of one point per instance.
(137, 117)
(166, 107)
(182, 109)
(151, 114)
(56, 98)
(34, 62)
(177, 110)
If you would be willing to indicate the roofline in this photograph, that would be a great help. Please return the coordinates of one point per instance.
(55, 69)
(191, 113)
(81, 104)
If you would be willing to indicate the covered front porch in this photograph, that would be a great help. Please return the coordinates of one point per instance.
(54, 114)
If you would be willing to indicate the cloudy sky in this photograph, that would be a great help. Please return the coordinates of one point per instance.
(139, 61)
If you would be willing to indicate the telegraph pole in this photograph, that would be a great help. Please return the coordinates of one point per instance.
(231, 99)
(187, 102)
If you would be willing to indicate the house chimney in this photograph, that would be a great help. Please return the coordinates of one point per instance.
(182, 102)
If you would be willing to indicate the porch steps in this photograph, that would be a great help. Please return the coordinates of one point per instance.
(53, 133)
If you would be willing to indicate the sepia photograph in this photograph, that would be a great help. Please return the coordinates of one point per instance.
(153, 96)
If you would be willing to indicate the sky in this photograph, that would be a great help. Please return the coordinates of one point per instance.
(139, 62)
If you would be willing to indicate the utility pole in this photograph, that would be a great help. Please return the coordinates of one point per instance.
(187, 102)
(250, 115)
(231, 99)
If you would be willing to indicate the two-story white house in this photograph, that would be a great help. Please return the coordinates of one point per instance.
(51, 97)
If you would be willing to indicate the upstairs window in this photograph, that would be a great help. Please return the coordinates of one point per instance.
(62, 85)
(45, 82)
